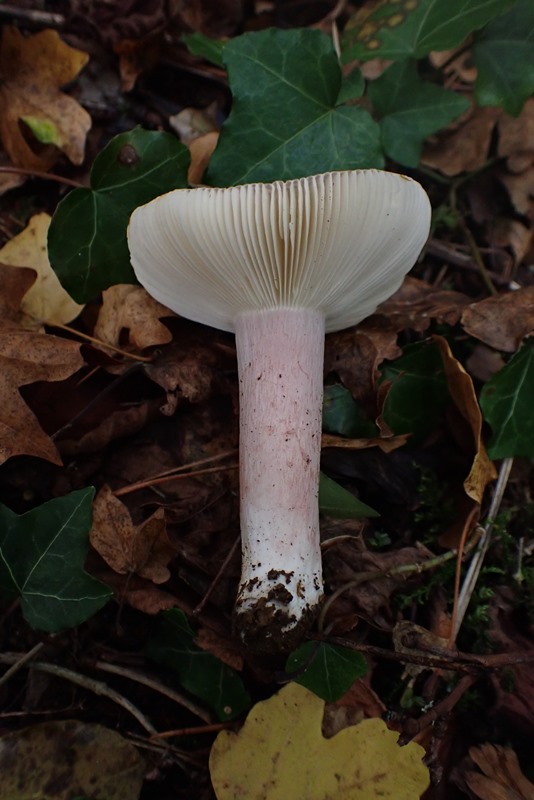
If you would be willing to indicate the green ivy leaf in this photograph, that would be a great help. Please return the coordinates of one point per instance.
(412, 28)
(504, 56)
(198, 671)
(284, 121)
(418, 395)
(335, 501)
(352, 87)
(343, 416)
(506, 402)
(87, 236)
(411, 109)
(328, 670)
(42, 556)
(203, 46)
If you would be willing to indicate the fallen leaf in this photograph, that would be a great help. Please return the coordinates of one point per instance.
(25, 358)
(142, 549)
(516, 137)
(54, 776)
(201, 150)
(387, 444)
(15, 282)
(280, 752)
(463, 395)
(416, 304)
(126, 307)
(503, 321)
(33, 68)
(184, 372)
(464, 149)
(492, 772)
(46, 301)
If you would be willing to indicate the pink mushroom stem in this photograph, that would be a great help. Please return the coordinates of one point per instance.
(280, 360)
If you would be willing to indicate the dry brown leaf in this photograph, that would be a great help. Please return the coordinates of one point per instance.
(150, 601)
(183, 373)
(226, 650)
(127, 307)
(416, 304)
(464, 398)
(502, 322)
(15, 283)
(33, 68)
(464, 149)
(493, 773)
(25, 358)
(141, 549)
(201, 150)
(386, 444)
(516, 138)
(46, 301)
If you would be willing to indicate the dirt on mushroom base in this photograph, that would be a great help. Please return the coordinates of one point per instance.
(266, 626)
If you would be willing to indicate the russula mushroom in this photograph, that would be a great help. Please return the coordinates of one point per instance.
(279, 264)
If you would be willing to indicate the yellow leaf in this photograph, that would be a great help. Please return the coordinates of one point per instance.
(46, 301)
(280, 753)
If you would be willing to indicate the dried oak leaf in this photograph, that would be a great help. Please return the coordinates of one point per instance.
(25, 358)
(463, 396)
(416, 304)
(141, 549)
(15, 283)
(130, 308)
(32, 69)
(281, 752)
(464, 149)
(503, 321)
(45, 301)
(492, 772)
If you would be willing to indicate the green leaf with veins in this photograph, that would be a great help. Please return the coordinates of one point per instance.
(42, 555)
(203, 46)
(87, 237)
(198, 671)
(506, 402)
(410, 110)
(285, 122)
(412, 28)
(504, 56)
(327, 670)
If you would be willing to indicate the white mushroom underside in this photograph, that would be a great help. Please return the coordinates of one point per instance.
(340, 243)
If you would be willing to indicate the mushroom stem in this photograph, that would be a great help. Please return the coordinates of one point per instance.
(280, 360)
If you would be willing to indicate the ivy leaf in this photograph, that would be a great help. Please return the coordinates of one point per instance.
(87, 238)
(335, 501)
(342, 414)
(504, 56)
(284, 121)
(203, 46)
(411, 109)
(418, 394)
(506, 402)
(398, 30)
(198, 671)
(42, 555)
(329, 670)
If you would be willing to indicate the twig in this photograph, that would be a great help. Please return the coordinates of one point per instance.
(139, 677)
(92, 685)
(21, 662)
(458, 574)
(149, 482)
(213, 728)
(403, 569)
(414, 726)
(29, 15)
(100, 343)
(475, 566)
(47, 176)
(199, 607)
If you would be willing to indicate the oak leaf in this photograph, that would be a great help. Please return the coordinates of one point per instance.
(32, 68)
(281, 752)
(130, 307)
(503, 321)
(45, 301)
(127, 548)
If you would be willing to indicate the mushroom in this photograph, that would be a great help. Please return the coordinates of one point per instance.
(279, 264)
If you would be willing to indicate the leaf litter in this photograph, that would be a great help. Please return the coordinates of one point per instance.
(129, 392)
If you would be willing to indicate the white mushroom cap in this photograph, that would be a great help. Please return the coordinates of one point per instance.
(339, 242)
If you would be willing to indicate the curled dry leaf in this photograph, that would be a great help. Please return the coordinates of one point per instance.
(503, 321)
(142, 549)
(46, 301)
(492, 772)
(33, 68)
(463, 396)
(25, 358)
(201, 150)
(464, 149)
(387, 444)
(126, 307)
(417, 304)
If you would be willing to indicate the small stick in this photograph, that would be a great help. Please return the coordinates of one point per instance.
(139, 677)
(414, 726)
(214, 727)
(149, 482)
(21, 662)
(46, 176)
(92, 685)
(93, 340)
(198, 608)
